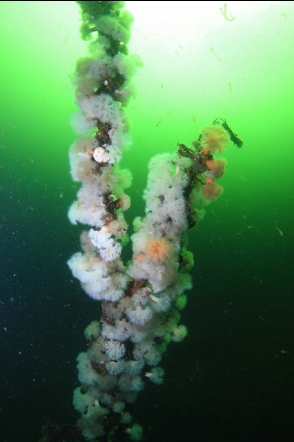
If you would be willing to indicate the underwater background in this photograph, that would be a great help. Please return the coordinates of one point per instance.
(231, 379)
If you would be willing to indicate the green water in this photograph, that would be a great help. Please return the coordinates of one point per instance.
(199, 64)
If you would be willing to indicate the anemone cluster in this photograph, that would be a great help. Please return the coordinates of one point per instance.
(141, 301)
